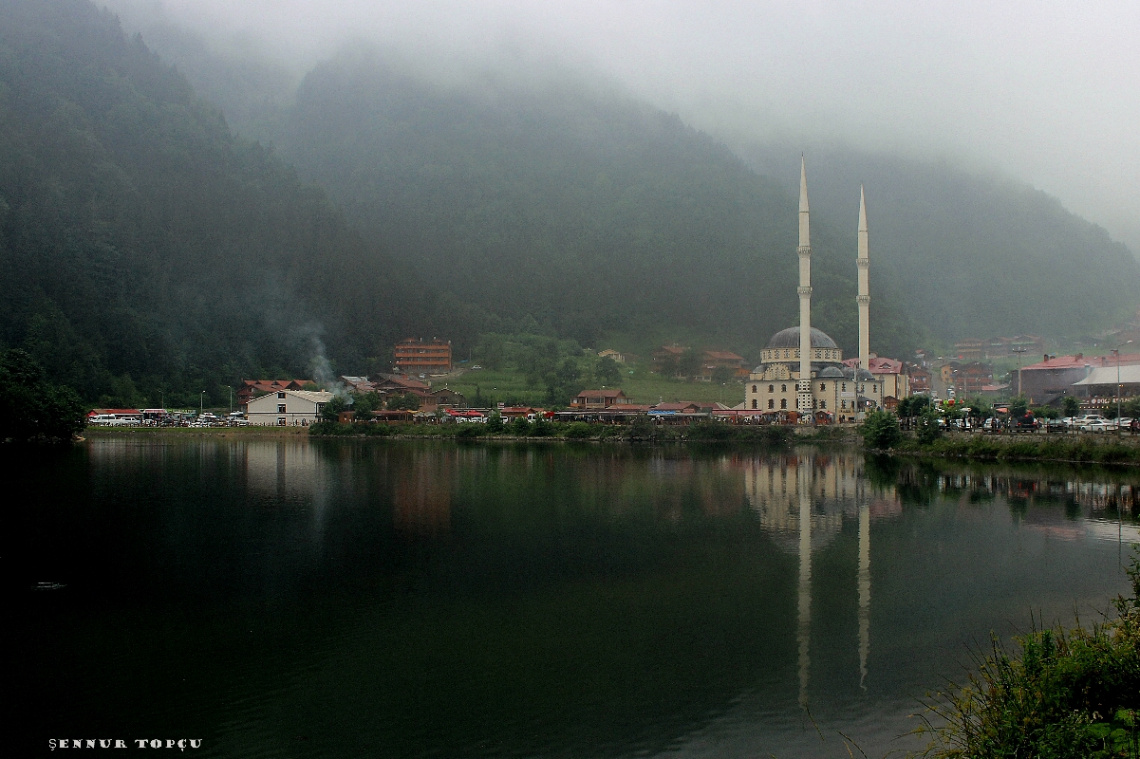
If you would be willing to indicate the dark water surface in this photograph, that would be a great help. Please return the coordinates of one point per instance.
(341, 599)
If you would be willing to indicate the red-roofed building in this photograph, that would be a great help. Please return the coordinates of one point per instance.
(712, 360)
(889, 371)
(589, 400)
(1054, 376)
(251, 389)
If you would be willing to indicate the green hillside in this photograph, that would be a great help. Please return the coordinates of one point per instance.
(146, 250)
(149, 251)
(975, 256)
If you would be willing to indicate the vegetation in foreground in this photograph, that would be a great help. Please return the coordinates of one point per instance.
(31, 407)
(1064, 694)
(882, 431)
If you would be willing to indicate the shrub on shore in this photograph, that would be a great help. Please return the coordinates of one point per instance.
(1064, 694)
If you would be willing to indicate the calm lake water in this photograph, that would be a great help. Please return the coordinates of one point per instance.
(383, 599)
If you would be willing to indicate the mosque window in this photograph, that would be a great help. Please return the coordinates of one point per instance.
(771, 403)
(783, 388)
(843, 405)
(754, 403)
(843, 387)
(783, 403)
(822, 386)
(771, 388)
(823, 404)
(754, 388)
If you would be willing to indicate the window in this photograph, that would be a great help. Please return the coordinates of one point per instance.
(280, 408)
(771, 388)
(754, 403)
(280, 421)
(843, 405)
(281, 395)
(843, 387)
(783, 403)
(783, 388)
(822, 387)
(823, 404)
(754, 388)
(771, 403)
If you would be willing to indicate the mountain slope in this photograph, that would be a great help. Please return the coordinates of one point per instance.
(148, 247)
(975, 256)
(578, 208)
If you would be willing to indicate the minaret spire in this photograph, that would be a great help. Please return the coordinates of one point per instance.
(864, 296)
(804, 400)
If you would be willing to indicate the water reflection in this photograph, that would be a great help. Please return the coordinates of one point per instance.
(431, 599)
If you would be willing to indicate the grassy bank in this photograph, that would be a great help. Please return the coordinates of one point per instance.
(1060, 694)
(647, 431)
(1082, 449)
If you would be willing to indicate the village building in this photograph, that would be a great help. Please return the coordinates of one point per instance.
(595, 400)
(801, 372)
(967, 378)
(1057, 376)
(287, 408)
(611, 353)
(711, 360)
(918, 379)
(250, 389)
(416, 357)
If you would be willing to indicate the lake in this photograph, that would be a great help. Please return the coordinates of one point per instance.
(295, 598)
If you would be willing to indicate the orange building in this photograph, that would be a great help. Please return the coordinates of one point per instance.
(419, 357)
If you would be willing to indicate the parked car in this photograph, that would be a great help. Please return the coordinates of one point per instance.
(1098, 425)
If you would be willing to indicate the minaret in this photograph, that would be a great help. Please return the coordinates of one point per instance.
(864, 296)
(803, 386)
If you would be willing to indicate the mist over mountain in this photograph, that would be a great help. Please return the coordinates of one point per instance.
(145, 249)
(583, 174)
(155, 249)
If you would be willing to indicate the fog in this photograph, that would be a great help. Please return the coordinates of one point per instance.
(1045, 92)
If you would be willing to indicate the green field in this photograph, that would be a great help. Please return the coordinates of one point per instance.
(486, 387)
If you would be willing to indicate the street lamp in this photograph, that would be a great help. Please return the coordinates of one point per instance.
(201, 401)
(1116, 352)
(1019, 350)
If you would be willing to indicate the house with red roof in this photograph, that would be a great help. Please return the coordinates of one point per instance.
(1054, 376)
(250, 389)
(891, 372)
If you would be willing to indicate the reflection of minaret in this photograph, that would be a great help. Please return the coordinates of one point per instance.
(864, 296)
(803, 387)
(803, 630)
(864, 590)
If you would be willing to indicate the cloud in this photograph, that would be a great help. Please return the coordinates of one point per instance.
(1041, 90)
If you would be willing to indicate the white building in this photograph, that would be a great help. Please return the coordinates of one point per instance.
(801, 369)
(287, 408)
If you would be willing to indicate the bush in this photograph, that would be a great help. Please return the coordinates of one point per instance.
(880, 430)
(1067, 694)
(579, 431)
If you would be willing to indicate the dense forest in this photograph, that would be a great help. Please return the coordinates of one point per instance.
(153, 250)
(149, 254)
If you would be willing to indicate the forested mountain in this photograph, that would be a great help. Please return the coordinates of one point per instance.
(969, 255)
(149, 248)
(585, 210)
(600, 214)
(146, 250)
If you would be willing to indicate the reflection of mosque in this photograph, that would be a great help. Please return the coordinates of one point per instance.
(802, 500)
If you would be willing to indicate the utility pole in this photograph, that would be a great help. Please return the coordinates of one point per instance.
(1019, 350)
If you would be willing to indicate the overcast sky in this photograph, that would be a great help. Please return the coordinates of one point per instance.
(1045, 92)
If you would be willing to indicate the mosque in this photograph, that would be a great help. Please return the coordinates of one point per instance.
(801, 369)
